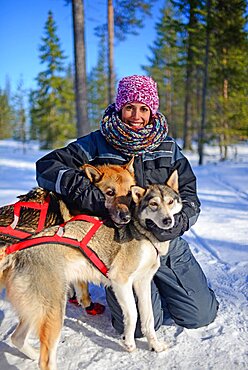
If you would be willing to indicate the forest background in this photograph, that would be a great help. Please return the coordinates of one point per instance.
(198, 57)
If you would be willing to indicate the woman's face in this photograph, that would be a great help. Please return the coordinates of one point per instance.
(135, 115)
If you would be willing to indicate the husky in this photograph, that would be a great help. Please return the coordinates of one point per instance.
(37, 279)
(114, 181)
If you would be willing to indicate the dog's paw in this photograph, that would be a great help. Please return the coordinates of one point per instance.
(130, 346)
(30, 352)
(158, 346)
(35, 355)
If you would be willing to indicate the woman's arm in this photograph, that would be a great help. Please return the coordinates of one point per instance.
(59, 171)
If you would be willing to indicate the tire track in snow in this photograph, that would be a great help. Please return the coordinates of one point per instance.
(234, 192)
(229, 279)
(240, 194)
(207, 247)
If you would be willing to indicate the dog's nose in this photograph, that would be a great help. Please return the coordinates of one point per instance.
(167, 221)
(125, 217)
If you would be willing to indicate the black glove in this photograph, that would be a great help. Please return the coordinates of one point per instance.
(91, 201)
(180, 226)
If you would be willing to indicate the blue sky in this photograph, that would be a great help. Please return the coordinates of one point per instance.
(22, 26)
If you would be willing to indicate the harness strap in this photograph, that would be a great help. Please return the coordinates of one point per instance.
(18, 234)
(82, 245)
(11, 231)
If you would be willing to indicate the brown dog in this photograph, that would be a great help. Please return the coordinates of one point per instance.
(115, 183)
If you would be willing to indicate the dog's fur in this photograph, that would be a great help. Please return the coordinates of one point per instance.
(37, 279)
(113, 181)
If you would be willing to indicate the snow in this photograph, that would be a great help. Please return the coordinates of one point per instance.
(219, 243)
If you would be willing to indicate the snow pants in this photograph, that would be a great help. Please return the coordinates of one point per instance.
(179, 288)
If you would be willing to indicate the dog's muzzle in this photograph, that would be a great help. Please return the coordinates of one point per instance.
(166, 222)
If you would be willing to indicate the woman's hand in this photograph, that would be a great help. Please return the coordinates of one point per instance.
(180, 226)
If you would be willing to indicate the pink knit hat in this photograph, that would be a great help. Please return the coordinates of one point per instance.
(139, 89)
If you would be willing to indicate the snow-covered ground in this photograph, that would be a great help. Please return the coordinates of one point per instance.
(219, 242)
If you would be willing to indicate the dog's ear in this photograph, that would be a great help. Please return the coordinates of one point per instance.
(129, 166)
(93, 173)
(137, 193)
(172, 181)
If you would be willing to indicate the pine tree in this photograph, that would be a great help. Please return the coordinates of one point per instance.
(177, 64)
(50, 109)
(6, 113)
(167, 68)
(192, 24)
(67, 108)
(189, 37)
(111, 73)
(34, 116)
(20, 116)
(124, 17)
(98, 86)
(202, 129)
(228, 73)
(80, 67)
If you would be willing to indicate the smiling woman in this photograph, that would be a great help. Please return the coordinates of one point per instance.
(135, 115)
(133, 123)
(133, 126)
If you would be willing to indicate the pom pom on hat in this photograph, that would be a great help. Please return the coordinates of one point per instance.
(137, 89)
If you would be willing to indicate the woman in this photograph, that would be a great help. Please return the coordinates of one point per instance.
(133, 126)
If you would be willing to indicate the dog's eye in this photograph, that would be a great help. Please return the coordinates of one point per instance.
(170, 202)
(153, 204)
(129, 193)
(110, 192)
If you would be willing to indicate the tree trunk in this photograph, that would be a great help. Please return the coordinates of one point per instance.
(111, 77)
(225, 96)
(80, 68)
(187, 110)
(188, 83)
(204, 89)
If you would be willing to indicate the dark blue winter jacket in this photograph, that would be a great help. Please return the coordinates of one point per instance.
(59, 171)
